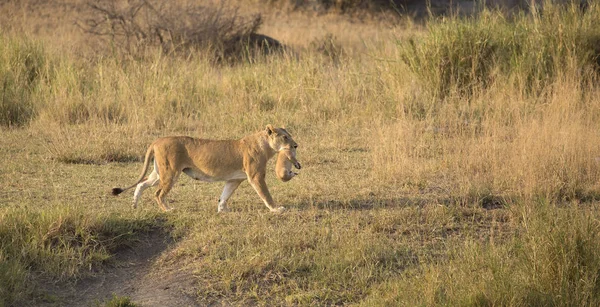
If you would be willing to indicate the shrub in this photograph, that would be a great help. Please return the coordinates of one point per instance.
(177, 26)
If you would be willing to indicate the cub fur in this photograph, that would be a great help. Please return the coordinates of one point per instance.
(232, 161)
(285, 159)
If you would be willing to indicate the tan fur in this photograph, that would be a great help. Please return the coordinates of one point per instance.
(232, 161)
(285, 159)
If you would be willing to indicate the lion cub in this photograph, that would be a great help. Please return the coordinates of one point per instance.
(285, 159)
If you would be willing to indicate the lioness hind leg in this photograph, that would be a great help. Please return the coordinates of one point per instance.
(152, 180)
(166, 184)
(229, 188)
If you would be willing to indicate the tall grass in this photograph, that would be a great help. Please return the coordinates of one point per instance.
(499, 146)
(527, 50)
(508, 108)
(22, 65)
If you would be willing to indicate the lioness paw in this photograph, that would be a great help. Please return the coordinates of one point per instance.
(278, 210)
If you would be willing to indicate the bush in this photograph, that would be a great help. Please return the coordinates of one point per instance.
(177, 26)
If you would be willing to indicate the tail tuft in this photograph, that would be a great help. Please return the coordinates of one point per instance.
(117, 191)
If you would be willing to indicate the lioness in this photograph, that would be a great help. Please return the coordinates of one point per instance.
(232, 161)
(283, 168)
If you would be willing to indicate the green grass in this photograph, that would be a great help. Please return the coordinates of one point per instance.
(551, 260)
(60, 242)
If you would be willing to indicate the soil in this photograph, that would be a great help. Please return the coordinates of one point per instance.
(135, 273)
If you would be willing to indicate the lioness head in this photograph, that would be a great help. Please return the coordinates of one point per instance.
(280, 139)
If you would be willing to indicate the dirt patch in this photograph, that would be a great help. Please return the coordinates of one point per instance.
(133, 274)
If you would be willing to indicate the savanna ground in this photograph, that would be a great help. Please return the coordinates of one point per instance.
(449, 162)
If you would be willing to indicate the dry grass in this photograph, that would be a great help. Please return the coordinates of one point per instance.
(543, 151)
(405, 197)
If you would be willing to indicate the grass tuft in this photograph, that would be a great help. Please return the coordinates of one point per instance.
(120, 301)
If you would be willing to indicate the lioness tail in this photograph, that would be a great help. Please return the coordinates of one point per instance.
(149, 154)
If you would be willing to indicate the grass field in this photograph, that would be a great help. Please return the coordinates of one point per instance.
(451, 163)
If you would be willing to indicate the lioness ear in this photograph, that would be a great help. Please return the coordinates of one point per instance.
(270, 129)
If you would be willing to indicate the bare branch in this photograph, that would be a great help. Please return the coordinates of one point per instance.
(136, 24)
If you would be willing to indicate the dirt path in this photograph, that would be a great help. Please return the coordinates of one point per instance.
(133, 275)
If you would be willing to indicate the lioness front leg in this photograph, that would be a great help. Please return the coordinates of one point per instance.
(257, 181)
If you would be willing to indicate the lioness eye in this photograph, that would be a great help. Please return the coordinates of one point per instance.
(285, 137)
